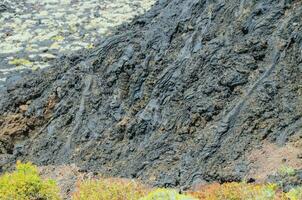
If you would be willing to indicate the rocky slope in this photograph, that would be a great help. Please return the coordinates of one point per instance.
(182, 95)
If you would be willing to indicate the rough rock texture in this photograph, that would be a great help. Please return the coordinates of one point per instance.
(179, 96)
(271, 158)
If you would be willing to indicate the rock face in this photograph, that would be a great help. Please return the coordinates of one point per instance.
(177, 97)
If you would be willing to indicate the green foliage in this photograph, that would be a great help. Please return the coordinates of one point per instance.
(166, 194)
(295, 194)
(26, 184)
(109, 189)
(287, 171)
(237, 191)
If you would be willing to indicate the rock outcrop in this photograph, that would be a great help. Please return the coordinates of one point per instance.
(177, 97)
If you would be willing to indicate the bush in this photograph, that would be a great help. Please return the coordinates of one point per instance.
(295, 194)
(26, 184)
(109, 189)
(166, 194)
(238, 191)
(286, 171)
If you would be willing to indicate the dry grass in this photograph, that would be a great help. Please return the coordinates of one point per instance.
(110, 189)
(238, 191)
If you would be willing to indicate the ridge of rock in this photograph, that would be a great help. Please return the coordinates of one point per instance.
(179, 96)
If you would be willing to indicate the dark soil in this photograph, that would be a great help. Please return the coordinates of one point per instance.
(177, 97)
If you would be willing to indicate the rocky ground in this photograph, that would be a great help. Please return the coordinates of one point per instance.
(33, 33)
(191, 92)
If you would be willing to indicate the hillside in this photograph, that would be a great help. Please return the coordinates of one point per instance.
(192, 91)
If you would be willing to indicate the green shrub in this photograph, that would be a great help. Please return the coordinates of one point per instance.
(237, 191)
(287, 171)
(109, 189)
(26, 184)
(166, 194)
(295, 194)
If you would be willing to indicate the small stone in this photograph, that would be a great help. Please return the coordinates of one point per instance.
(48, 56)
(23, 108)
(55, 45)
(251, 180)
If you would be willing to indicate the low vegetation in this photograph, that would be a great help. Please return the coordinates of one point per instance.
(109, 189)
(286, 171)
(295, 194)
(166, 194)
(26, 184)
(238, 191)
